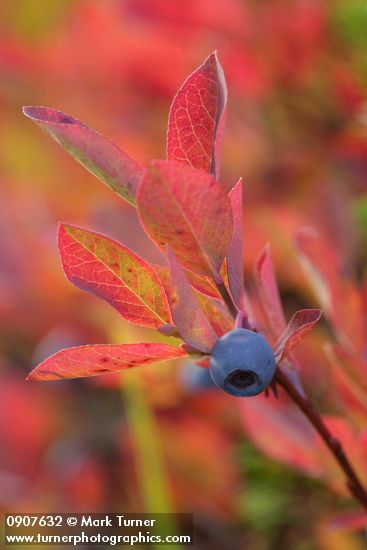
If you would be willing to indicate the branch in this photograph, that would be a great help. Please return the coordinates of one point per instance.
(353, 483)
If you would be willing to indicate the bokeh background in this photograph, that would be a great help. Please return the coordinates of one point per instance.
(161, 438)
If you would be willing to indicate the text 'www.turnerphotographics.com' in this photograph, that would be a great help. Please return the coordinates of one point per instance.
(99, 529)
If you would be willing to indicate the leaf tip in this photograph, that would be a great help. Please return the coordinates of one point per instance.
(309, 315)
(190, 350)
(27, 110)
(46, 115)
(61, 229)
(212, 62)
(168, 330)
(35, 376)
(213, 57)
(319, 312)
(63, 225)
(36, 113)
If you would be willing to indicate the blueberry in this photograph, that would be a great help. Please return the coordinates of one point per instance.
(195, 379)
(242, 363)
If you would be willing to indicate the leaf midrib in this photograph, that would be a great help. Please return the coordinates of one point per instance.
(119, 277)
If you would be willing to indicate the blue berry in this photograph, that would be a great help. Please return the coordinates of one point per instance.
(195, 379)
(242, 363)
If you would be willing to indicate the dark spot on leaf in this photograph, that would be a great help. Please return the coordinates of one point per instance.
(103, 360)
(66, 120)
(179, 232)
(52, 373)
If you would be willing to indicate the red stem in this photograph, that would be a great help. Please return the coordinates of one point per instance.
(353, 482)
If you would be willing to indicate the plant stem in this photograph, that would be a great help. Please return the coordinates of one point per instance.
(353, 482)
(227, 298)
(153, 481)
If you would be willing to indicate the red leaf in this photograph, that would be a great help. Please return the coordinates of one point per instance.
(112, 272)
(235, 252)
(321, 263)
(203, 284)
(199, 282)
(101, 359)
(281, 431)
(349, 376)
(216, 313)
(190, 211)
(98, 154)
(298, 327)
(338, 296)
(197, 117)
(268, 291)
(189, 318)
(220, 122)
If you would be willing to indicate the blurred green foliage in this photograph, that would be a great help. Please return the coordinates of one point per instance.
(278, 504)
(33, 19)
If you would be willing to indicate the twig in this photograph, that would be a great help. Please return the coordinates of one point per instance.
(353, 482)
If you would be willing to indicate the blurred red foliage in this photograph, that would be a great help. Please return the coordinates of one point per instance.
(296, 134)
